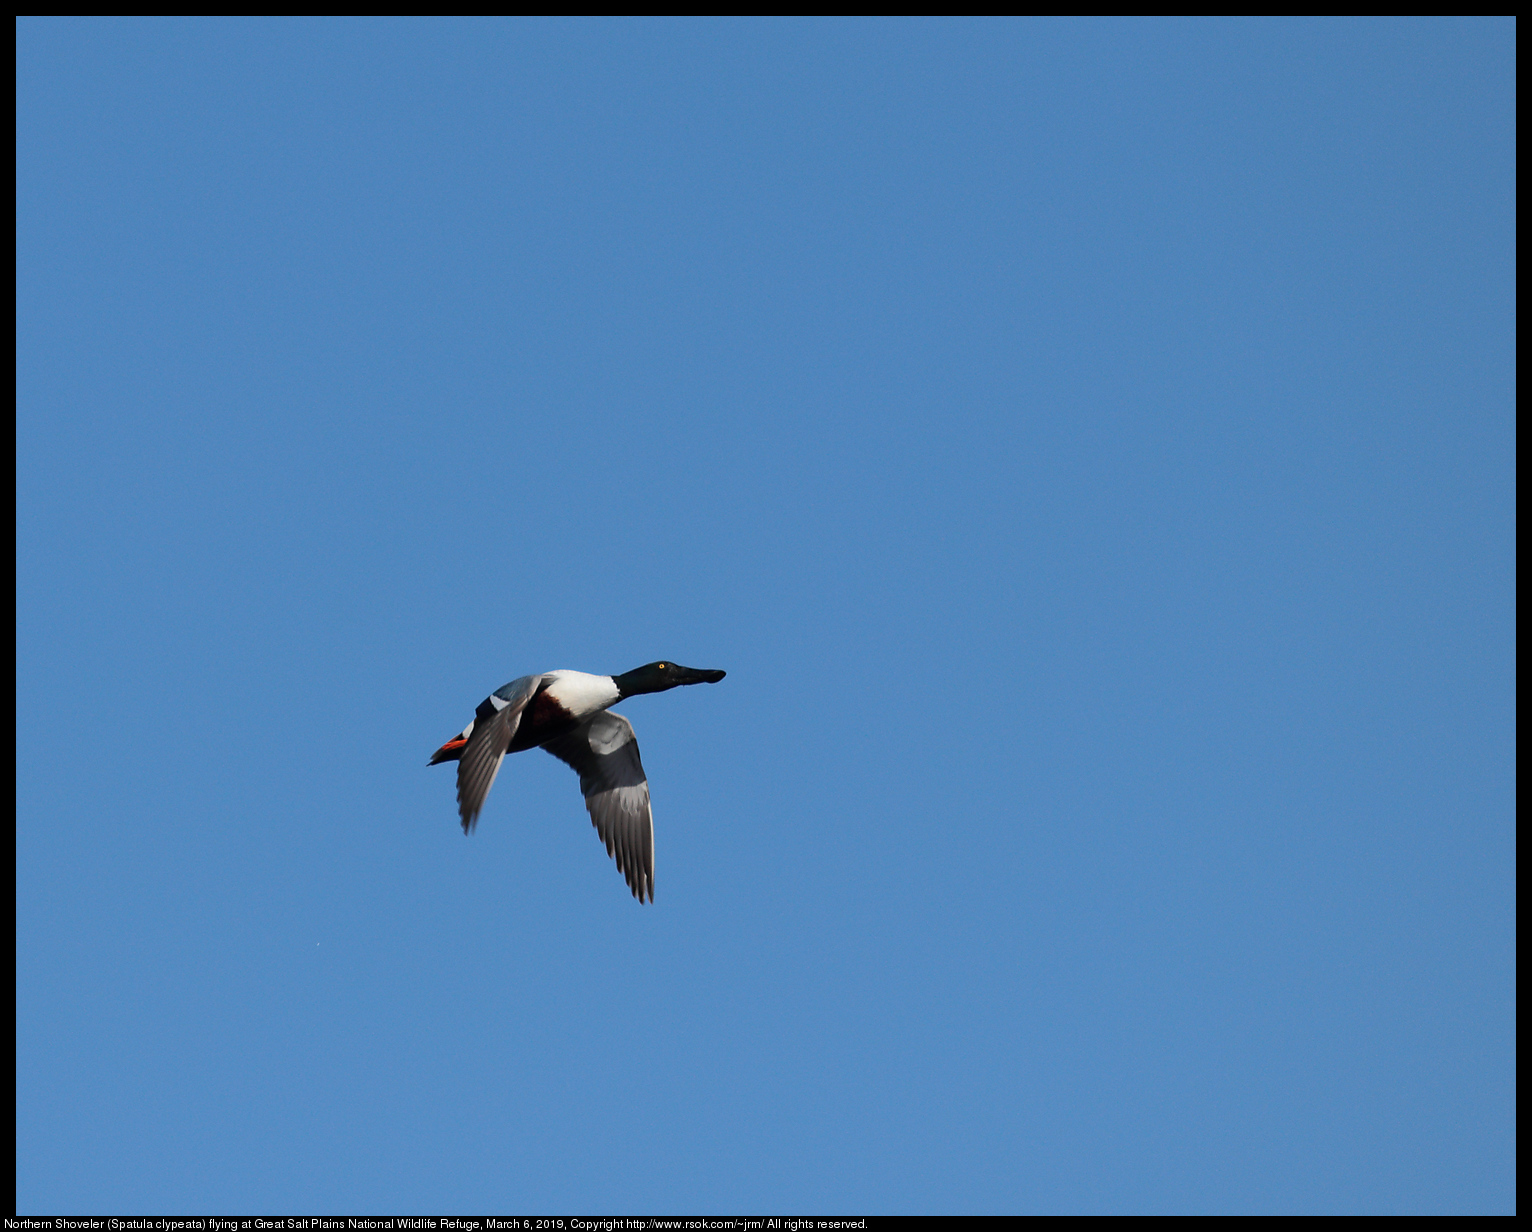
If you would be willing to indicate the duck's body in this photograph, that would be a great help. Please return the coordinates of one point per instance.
(561, 702)
(566, 713)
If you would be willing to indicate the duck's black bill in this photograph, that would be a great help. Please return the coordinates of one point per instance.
(694, 675)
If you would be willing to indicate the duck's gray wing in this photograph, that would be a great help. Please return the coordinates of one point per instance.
(604, 751)
(494, 723)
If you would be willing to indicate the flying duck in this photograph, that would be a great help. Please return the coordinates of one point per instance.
(566, 713)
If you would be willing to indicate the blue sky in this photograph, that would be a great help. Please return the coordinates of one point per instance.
(1088, 447)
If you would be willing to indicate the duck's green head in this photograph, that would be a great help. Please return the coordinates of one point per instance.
(657, 677)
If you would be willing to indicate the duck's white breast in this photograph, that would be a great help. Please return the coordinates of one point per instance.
(580, 693)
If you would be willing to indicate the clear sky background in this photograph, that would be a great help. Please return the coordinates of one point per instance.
(1087, 446)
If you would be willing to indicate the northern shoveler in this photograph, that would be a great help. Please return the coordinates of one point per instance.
(567, 714)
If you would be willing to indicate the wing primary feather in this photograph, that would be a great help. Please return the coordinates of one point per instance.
(648, 841)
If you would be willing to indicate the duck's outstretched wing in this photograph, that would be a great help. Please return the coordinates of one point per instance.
(604, 751)
(494, 723)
